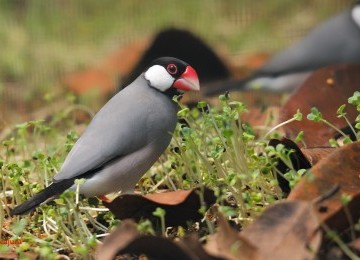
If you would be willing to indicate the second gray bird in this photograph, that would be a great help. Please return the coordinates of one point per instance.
(335, 41)
(125, 137)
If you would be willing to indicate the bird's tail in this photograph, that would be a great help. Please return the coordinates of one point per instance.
(49, 192)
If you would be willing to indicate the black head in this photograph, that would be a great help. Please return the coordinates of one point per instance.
(171, 76)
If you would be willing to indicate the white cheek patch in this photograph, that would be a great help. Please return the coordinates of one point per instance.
(159, 78)
(355, 13)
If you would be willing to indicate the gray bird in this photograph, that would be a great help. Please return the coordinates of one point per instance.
(336, 41)
(125, 137)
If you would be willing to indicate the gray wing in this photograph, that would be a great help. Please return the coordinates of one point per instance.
(109, 135)
(334, 41)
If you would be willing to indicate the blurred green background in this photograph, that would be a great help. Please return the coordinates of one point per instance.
(41, 40)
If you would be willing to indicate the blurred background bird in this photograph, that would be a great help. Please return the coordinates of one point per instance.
(335, 41)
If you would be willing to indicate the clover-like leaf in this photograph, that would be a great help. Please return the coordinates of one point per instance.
(315, 115)
(355, 99)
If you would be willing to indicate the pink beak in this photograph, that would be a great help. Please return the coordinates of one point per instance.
(188, 81)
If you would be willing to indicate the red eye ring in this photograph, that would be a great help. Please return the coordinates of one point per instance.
(172, 69)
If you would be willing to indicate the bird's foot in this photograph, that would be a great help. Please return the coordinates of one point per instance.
(104, 198)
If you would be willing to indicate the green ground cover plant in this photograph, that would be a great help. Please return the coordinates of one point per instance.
(211, 147)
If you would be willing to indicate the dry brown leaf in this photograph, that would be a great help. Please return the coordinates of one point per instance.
(118, 239)
(191, 245)
(180, 206)
(286, 230)
(229, 243)
(125, 239)
(320, 90)
(303, 158)
(316, 154)
(340, 169)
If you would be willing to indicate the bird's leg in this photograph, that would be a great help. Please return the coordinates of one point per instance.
(104, 198)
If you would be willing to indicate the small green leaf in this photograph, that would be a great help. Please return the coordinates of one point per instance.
(298, 116)
(248, 137)
(227, 109)
(159, 212)
(224, 97)
(186, 131)
(227, 133)
(301, 172)
(81, 250)
(299, 137)
(347, 140)
(341, 111)
(238, 106)
(201, 104)
(183, 112)
(345, 199)
(24, 246)
(315, 115)
(227, 211)
(333, 142)
(355, 99)
(91, 241)
(80, 181)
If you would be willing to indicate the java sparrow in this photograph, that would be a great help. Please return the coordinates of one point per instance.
(335, 41)
(125, 137)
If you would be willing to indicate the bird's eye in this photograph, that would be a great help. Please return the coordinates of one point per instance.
(172, 69)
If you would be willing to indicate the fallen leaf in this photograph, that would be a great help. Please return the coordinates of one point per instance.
(316, 154)
(195, 249)
(180, 206)
(230, 244)
(126, 240)
(125, 233)
(159, 248)
(340, 169)
(286, 230)
(301, 158)
(319, 90)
